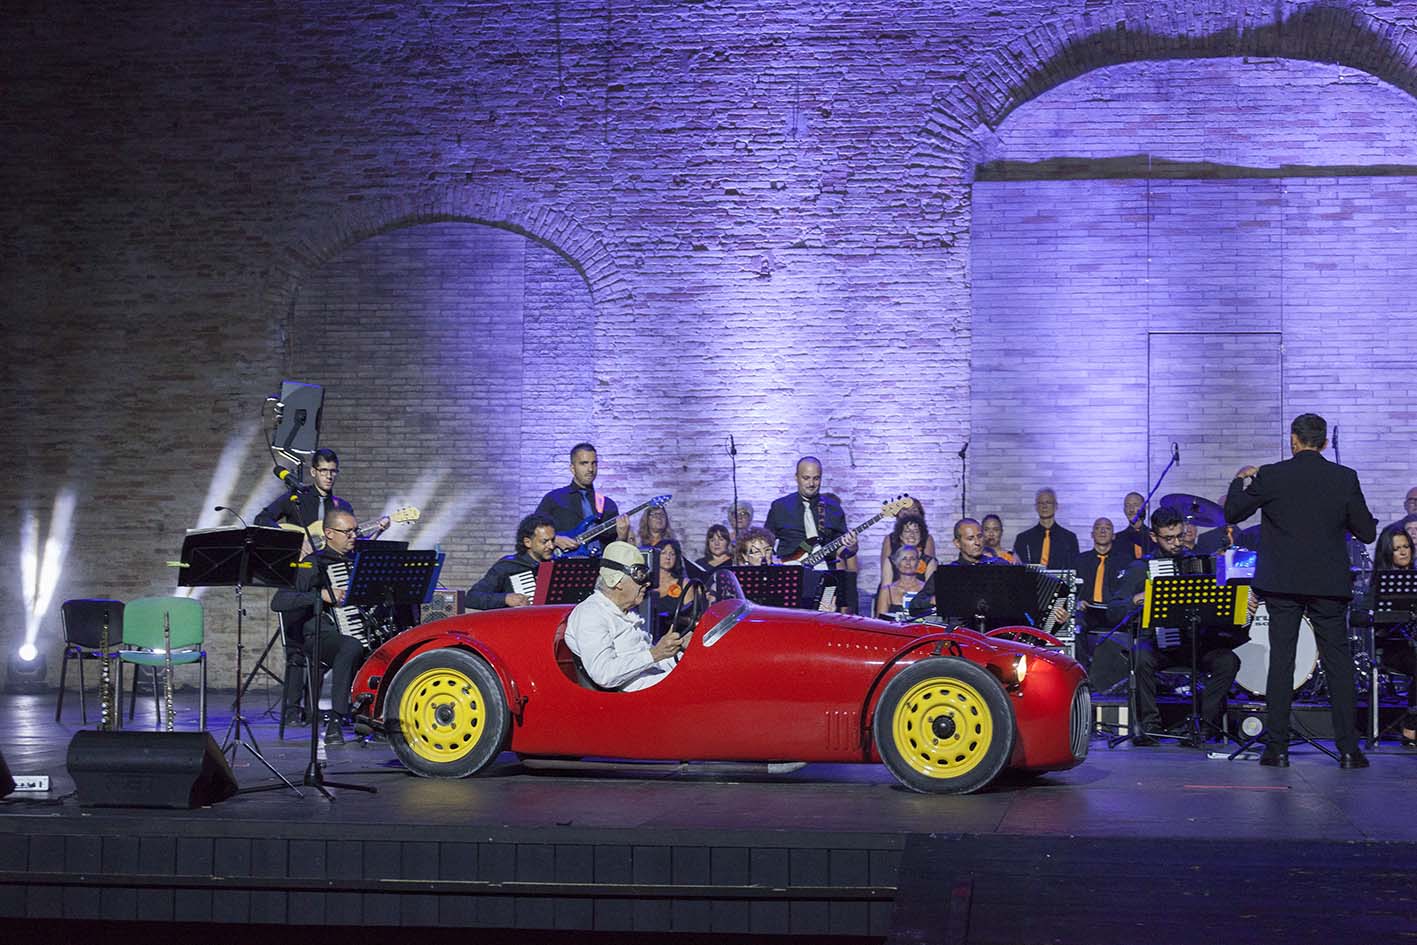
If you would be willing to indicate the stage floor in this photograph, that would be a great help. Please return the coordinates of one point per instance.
(823, 850)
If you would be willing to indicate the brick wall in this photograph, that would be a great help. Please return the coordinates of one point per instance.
(652, 226)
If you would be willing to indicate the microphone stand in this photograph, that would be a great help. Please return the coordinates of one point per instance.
(733, 459)
(963, 480)
(1141, 512)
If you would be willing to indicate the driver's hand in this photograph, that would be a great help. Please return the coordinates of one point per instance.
(669, 645)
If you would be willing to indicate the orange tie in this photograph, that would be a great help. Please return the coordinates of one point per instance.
(1097, 581)
(1047, 544)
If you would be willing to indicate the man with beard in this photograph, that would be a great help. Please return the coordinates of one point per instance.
(535, 542)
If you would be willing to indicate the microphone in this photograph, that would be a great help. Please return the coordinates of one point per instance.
(964, 449)
(222, 508)
(1176, 453)
(732, 447)
(287, 476)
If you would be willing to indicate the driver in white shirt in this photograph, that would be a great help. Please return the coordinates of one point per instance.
(609, 638)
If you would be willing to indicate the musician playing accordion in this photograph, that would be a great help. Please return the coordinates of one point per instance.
(511, 581)
(1110, 663)
(338, 652)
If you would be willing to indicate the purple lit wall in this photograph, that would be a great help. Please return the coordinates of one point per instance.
(495, 230)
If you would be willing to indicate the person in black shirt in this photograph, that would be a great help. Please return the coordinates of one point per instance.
(806, 519)
(1099, 569)
(307, 505)
(576, 507)
(534, 543)
(1309, 506)
(1134, 538)
(718, 550)
(1047, 543)
(297, 609)
(1109, 661)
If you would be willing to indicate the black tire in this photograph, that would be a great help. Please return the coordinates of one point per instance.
(446, 715)
(944, 726)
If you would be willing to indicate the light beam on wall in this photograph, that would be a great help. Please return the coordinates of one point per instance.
(39, 571)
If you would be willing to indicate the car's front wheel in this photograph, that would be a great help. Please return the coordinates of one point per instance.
(446, 714)
(944, 726)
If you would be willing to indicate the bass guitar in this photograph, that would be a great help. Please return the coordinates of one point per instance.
(590, 529)
(316, 532)
(809, 558)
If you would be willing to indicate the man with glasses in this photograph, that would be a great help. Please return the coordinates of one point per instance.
(607, 635)
(307, 505)
(297, 608)
(1109, 661)
(1047, 543)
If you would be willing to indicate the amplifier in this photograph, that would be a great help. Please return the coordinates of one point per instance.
(445, 603)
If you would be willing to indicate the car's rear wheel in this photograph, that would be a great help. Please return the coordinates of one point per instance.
(944, 726)
(446, 714)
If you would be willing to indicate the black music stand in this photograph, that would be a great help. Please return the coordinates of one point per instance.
(1395, 609)
(1195, 602)
(237, 557)
(395, 577)
(566, 580)
(771, 585)
(987, 595)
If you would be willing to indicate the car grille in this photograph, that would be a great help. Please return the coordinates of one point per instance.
(1081, 721)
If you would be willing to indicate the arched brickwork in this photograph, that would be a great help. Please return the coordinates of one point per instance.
(551, 228)
(1030, 64)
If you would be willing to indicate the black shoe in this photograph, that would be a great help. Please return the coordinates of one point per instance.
(1353, 759)
(1146, 741)
(1275, 758)
(334, 732)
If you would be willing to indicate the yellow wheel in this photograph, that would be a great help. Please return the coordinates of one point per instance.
(944, 725)
(447, 715)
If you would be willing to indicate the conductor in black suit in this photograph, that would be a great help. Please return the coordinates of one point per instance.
(1047, 543)
(1308, 506)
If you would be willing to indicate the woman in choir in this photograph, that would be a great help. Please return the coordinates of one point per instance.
(896, 596)
(655, 527)
(1395, 554)
(670, 587)
(910, 529)
(755, 547)
(717, 549)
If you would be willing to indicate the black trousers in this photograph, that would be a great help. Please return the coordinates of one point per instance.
(1109, 666)
(1335, 655)
(341, 655)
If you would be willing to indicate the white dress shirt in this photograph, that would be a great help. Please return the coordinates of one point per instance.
(613, 646)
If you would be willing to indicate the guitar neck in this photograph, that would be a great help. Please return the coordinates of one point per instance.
(591, 534)
(821, 553)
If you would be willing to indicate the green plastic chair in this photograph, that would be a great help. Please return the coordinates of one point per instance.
(143, 644)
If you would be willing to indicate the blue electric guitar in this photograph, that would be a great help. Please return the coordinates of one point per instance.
(591, 528)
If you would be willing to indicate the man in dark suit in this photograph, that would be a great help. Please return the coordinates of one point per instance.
(577, 507)
(807, 519)
(1308, 505)
(1047, 543)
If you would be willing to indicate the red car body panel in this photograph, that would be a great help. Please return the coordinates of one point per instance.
(779, 685)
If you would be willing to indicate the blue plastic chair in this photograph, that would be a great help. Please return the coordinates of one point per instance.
(143, 643)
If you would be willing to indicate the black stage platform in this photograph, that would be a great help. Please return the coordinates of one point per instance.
(1150, 845)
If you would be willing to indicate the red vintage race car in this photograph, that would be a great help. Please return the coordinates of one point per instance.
(945, 710)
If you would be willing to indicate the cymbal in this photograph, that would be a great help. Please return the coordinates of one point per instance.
(1195, 509)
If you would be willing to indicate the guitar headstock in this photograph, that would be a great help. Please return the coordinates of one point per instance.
(660, 501)
(404, 515)
(896, 505)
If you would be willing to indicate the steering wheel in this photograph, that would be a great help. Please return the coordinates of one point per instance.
(685, 621)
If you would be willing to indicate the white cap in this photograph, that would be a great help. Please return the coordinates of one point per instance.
(622, 553)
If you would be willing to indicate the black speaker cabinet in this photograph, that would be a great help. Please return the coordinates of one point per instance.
(7, 783)
(149, 769)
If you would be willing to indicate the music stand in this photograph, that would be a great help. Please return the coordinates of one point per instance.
(1395, 608)
(771, 585)
(1192, 602)
(394, 576)
(566, 580)
(1000, 595)
(237, 557)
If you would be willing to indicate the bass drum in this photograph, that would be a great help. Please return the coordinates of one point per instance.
(1254, 655)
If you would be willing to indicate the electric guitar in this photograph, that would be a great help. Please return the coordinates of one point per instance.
(811, 558)
(316, 532)
(590, 529)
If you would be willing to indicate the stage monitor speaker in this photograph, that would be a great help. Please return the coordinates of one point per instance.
(7, 781)
(149, 769)
(445, 603)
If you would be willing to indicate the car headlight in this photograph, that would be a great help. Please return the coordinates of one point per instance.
(1020, 667)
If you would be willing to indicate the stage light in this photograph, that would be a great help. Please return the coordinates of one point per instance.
(28, 652)
(39, 572)
(26, 675)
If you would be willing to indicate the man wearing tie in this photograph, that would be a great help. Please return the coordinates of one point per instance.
(1308, 507)
(1047, 543)
(575, 507)
(806, 519)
